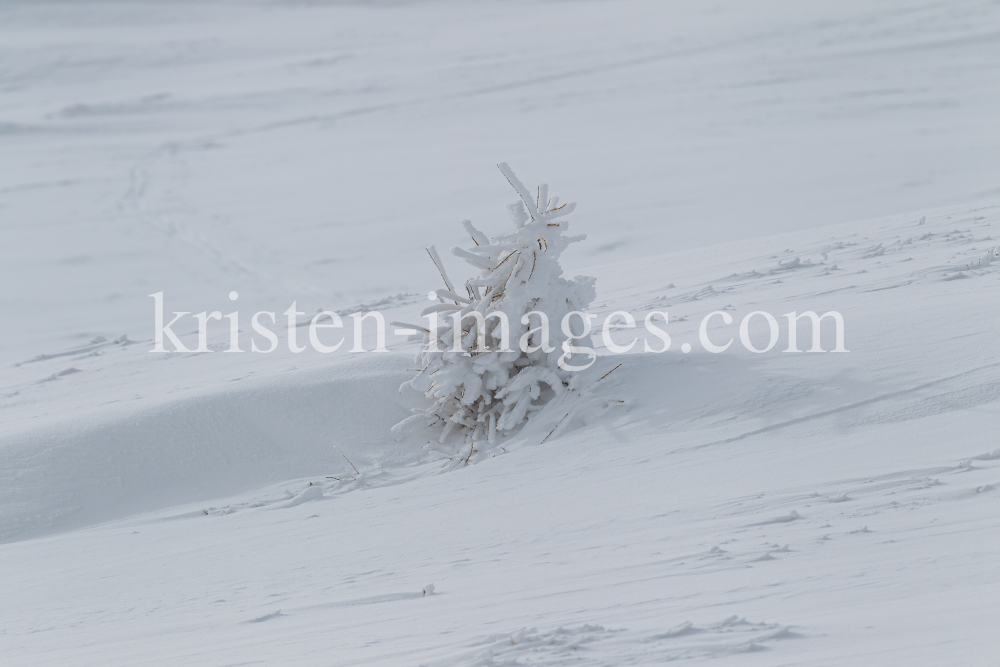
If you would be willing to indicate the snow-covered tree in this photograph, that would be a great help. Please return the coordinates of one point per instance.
(478, 388)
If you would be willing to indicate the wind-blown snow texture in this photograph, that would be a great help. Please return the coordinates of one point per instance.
(210, 509)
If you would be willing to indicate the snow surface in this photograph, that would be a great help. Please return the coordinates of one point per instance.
(217, 509)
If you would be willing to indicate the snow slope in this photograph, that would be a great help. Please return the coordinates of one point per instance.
(297, 150)
(798, 509)
(217, 509)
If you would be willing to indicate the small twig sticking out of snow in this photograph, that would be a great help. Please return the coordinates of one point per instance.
(555, 427)
(349, 461)
(609, 372)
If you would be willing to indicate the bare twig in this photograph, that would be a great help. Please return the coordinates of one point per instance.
(349, 461)
(609, 372)
(554, 428)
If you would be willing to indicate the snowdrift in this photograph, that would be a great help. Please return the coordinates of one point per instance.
(206, 445)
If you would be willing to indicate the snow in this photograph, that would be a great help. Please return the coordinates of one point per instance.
(282, 149)
(775, 508)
